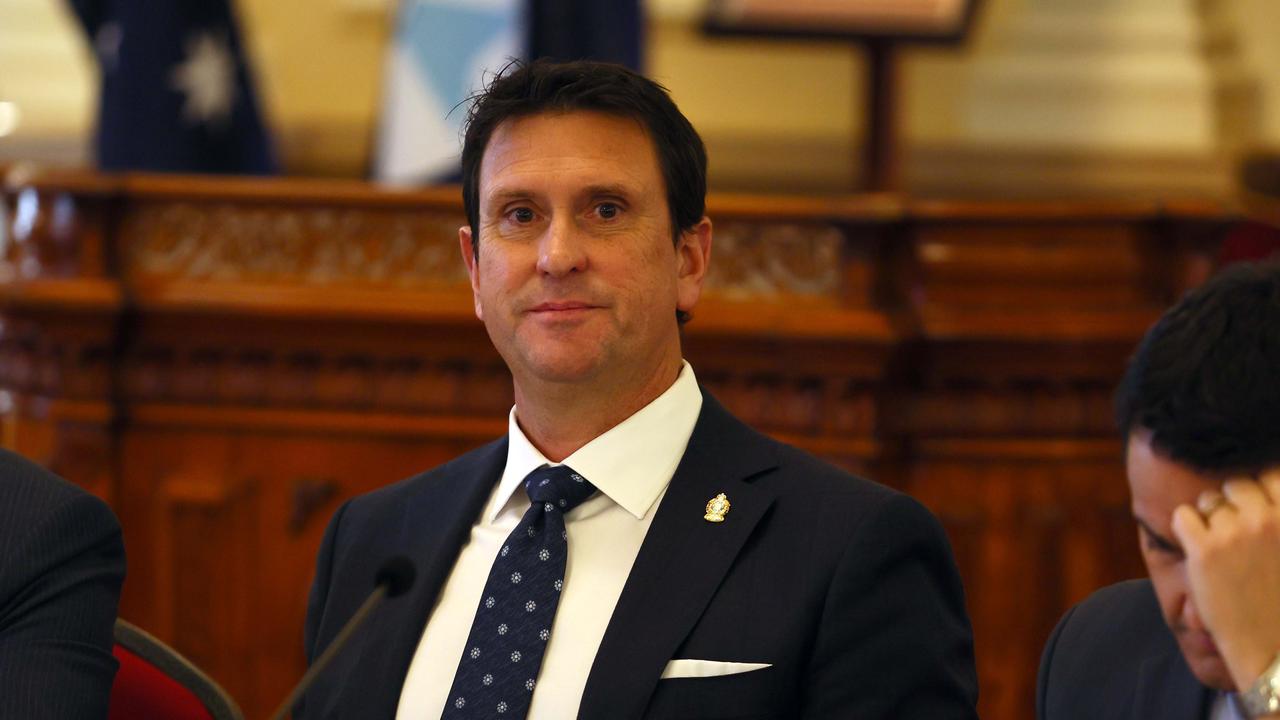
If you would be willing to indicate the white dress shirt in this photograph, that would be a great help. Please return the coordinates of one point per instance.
(1225, 708)
(631, 464)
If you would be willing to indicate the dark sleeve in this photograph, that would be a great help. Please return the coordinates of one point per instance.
(1046, 668)
(895, 641)
(318, 598)
(56, 626)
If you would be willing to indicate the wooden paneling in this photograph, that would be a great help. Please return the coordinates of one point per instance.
(227, 360)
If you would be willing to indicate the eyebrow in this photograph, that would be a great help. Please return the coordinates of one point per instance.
(1161, 542)
(611, 189)
(501, 197)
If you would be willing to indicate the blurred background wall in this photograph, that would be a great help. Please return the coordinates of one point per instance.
(1046, 97)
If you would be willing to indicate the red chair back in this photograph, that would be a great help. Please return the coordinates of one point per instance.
(156, 682)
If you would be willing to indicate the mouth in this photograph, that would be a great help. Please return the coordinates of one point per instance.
(564, 307)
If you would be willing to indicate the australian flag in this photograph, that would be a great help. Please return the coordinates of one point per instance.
(176, 93)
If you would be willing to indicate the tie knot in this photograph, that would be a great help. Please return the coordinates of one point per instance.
(559, 487)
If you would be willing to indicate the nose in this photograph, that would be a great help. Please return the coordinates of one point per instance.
(562, 249)
(1191, 616)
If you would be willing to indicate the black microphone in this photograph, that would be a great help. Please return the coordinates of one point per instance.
(394, 578)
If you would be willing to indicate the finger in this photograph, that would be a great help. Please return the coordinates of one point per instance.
(1246, 496)
(1270, 482)
(1189, 528)
(1209, 503)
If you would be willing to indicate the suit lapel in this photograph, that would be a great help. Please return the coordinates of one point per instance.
(681, 563)
(435, 524)
(1167, 689)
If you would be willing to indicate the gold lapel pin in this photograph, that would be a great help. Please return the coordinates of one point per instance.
(717, 508)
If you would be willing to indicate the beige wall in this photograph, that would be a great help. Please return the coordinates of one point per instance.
(319, 74)
(781, 115)
(1257, 24)
(807, 94)
(47, 72)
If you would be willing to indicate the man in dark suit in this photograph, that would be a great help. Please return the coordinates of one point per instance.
(1200, 638)
(693, 568)
(61, 567)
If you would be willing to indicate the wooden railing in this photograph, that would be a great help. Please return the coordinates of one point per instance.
(226, 360)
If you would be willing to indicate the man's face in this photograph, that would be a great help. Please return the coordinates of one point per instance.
(578, 279)
(1158, 485)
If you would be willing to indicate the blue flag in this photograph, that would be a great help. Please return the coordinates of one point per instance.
(444, 51)
(176, 93)
(439, 57)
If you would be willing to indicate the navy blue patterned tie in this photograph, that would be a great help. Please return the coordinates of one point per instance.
(499, 665)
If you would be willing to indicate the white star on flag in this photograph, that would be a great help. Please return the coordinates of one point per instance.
(207, 78)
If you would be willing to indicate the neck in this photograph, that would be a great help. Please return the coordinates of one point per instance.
(560, 418)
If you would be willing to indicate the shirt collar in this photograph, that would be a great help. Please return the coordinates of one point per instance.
(631, 463)
(1226, 706)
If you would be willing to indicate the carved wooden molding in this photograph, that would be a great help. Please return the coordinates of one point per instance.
(814, 306)
(56, 356)
(307, 245)
(755, 261)
(792, 400)
(318, 377)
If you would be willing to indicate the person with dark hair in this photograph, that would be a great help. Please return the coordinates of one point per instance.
(603, 88)
(629, 549)
(1199, 410)
(61, 567)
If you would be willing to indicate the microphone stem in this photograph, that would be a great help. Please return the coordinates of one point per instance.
(375, 598)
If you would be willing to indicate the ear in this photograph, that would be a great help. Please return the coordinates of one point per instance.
(473, 266)
(693, 257)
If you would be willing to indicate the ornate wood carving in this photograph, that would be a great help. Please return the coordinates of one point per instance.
(755, 260)
(309, 245)
(315, 377)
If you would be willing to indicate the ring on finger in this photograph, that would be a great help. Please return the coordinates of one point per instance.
(1210, 502)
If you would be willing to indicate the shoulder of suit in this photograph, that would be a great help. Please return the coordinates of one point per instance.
(33, 493)
(45, 519)
(1126, 611)
(28, 482)
(801, 480)
(803, 472)
(1100, 646)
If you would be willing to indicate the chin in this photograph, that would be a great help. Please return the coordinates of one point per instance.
(563, 368)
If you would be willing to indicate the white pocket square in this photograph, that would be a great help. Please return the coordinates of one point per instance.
(708, 668)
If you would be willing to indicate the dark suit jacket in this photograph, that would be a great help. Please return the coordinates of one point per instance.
(1113, 657)
(61, 566)
(848, 588)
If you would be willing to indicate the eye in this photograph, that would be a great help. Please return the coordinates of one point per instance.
(522, 215)
(1161, 547)
(608, 210)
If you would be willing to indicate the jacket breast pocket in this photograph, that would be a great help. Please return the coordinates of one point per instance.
(753, 695)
